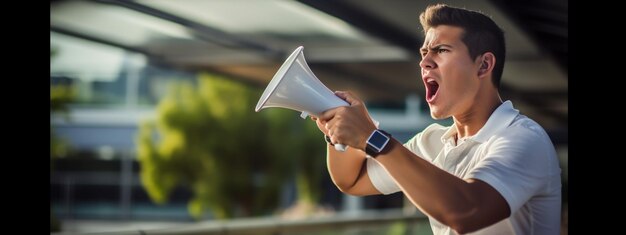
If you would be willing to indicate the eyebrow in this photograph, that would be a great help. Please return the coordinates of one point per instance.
(435, 47)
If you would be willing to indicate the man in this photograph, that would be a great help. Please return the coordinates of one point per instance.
(494, 171)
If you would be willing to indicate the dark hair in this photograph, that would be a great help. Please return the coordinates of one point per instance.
(481, 34)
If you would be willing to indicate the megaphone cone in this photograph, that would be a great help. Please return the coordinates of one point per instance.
(295, 87)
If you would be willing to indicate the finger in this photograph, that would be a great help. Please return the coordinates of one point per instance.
(327, 115)
(348, 97)
(321, 126)
(341, 94)
(320, 122)
(329, 124)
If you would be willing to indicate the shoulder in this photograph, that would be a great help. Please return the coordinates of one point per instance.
(524, 130)
(524, 144)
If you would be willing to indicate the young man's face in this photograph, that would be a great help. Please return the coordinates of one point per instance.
(449, 74)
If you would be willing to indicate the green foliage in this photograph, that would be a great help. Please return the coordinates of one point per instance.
(208, 139)
(60, 96)
(397, 228)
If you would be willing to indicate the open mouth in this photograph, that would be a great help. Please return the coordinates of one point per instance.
(431, 89)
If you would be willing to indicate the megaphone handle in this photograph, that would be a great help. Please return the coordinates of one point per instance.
(340, 147)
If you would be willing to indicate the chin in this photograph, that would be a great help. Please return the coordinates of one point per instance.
(436, 114)
(437, 117)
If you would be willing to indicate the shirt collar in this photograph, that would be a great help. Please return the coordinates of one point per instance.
(499, 119)
(448, 134)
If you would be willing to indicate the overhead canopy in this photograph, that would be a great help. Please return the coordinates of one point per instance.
(367, 46)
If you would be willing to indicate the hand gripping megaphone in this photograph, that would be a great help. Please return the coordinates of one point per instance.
(295, 87)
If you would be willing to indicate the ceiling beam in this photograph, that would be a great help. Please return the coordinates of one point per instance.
(544, 21)
(362, 78)
(367, 23)
(87, 37)
(202, 31)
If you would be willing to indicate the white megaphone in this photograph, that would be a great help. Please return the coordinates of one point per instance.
(295, 87)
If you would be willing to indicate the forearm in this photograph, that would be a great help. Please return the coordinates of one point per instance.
(344, 167)
(436, 192)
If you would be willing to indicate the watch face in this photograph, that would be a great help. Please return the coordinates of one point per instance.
(378, 140)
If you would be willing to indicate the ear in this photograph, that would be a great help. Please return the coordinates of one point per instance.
(487, 62)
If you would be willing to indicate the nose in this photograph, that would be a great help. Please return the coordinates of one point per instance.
(427, 62)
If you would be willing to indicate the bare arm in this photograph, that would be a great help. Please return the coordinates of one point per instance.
(347, 169)
(349, 172)
(464, 205)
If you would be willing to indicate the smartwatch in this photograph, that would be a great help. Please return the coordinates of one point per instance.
(377, 142)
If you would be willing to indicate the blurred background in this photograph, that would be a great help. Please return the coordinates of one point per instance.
(152, 119)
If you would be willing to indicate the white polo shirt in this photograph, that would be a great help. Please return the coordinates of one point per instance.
(512, 153)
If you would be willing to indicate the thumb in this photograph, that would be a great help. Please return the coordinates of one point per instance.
(327, 115)
(348, 97)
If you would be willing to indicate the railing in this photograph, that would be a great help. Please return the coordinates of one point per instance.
(351, 223)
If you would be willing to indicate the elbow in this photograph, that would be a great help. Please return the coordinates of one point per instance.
(465, 224)
(344, 187)
(344, 190)
(459, 223)
(460, 228)
(351, 192)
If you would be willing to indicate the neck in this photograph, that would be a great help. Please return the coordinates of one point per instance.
(474, 118)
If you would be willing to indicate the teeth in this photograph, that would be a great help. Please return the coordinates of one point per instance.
(430, 80)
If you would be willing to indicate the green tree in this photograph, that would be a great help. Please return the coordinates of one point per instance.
(300, 141)
(208, 139)
(60, 96)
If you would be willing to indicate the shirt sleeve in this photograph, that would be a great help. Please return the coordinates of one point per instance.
(380, 177)
(517, 165)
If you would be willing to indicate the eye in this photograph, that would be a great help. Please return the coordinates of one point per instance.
(442, 50)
